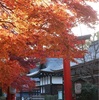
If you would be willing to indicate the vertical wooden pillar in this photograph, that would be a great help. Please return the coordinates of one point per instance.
(67, 80)
(13, 97)
(0, 91)
(9, 95)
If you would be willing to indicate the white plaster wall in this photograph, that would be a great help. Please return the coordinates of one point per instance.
(41, 81)
(48, 80)
(45, 80)
(57, 80)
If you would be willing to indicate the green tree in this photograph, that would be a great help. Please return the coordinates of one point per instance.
(89, 92)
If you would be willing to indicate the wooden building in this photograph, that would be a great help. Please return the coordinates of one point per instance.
(50, 74)
(51, 80)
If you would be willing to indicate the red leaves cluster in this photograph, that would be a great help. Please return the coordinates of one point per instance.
(84, 13)
(37, 29)
(23, 83)
(9, 71)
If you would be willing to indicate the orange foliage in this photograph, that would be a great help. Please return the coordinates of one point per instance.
(23, 83)
(38, 29)
(9, 70)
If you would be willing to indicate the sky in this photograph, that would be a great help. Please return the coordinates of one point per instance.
(84, 30)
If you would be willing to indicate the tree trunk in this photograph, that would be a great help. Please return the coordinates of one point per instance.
(9, 95)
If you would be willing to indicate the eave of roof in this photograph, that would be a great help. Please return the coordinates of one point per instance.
(33, 73)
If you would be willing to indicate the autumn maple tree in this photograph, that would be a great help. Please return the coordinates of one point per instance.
(32, 29)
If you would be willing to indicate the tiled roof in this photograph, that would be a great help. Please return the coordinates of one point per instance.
(54, 64)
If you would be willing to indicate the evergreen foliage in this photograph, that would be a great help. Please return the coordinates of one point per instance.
(89, 92)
